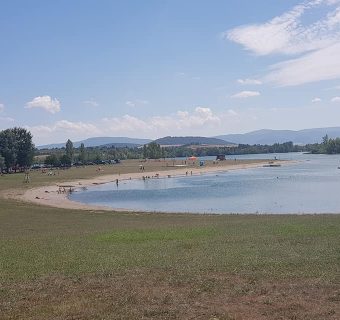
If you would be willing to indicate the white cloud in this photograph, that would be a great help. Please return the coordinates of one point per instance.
(7, 119)
(76, 126)
(125, 123)
(181, 120)
(335, 99)
(130, 103)
(246, 94)
(316, 99)
(66, 127)
(44, 102)
(232, 112)
(180, 74)
(92, 103)
(137, 102)
(286, 34)
(249, 81)
(320, 65)
(317, 43)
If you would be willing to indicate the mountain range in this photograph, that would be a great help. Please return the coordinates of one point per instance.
(102, 141)
(264, 136)
(180, 141)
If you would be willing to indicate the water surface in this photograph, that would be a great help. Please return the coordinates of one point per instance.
(310, 186)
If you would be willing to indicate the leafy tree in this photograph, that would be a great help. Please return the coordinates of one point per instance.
(69, 149)
(152, 151)
(145, 151)
(52, 160)
(2, 163)
(16, 147)
(325, 139)
(65, 160)
(82, 153)
(24, 147)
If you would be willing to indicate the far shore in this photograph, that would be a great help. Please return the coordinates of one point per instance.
(50, 195)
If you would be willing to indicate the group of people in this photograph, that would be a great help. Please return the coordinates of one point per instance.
(64, 189)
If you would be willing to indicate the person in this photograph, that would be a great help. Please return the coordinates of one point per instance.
(117, 182)
(27, 177)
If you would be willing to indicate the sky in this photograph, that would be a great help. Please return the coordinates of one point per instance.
(146, 69)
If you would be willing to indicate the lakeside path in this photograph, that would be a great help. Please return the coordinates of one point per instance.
(49, 195)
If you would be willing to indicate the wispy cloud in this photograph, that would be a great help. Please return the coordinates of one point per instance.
(137, 102)
(2, 107)
(66, 127)
(286, 34)
(246, 94)
(185, 75)
(91, 102)
(44, 102)
(232, 112)
(335, 99)
(323, 64)
(316, 99)
(317, 43)
(180, 122)
(249, 81)
(7, 119)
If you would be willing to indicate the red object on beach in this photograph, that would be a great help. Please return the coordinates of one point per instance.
(192, 158)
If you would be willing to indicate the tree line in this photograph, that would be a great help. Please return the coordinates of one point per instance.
(88, 155)
(328, 146)
(17, 151)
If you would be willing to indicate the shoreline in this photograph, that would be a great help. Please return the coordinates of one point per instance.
(49, 195)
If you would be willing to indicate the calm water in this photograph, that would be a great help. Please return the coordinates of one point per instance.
(310, 186)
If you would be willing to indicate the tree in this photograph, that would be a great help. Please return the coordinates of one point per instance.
(52, 160)
(65, 160)
(24, 147)
(325, 139)
(2, 163)
(145, 152)
(16, 147)
(152, 151)
(82, 153)
(69, 149)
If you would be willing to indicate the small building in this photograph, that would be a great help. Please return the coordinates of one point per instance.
(220, 157)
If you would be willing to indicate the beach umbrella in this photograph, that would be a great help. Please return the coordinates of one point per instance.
(192, 158)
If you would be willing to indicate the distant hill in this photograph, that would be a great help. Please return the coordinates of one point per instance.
(180, 141)
(267, 136)
(102, 141)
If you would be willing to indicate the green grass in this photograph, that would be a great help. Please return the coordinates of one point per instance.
(138, 236)
(52, 255)
(37, 241)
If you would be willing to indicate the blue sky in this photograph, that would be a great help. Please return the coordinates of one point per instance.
(78, 69)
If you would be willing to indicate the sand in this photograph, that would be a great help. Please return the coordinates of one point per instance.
(50, 195)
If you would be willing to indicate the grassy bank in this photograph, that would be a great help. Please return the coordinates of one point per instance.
(69, 264)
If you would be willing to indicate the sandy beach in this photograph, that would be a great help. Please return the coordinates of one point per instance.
(51, 196)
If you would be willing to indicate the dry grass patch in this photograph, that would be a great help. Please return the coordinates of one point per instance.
(159, 294)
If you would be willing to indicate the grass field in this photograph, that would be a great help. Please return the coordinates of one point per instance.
(69, 264)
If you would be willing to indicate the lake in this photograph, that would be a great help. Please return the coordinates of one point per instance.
(310, 186)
